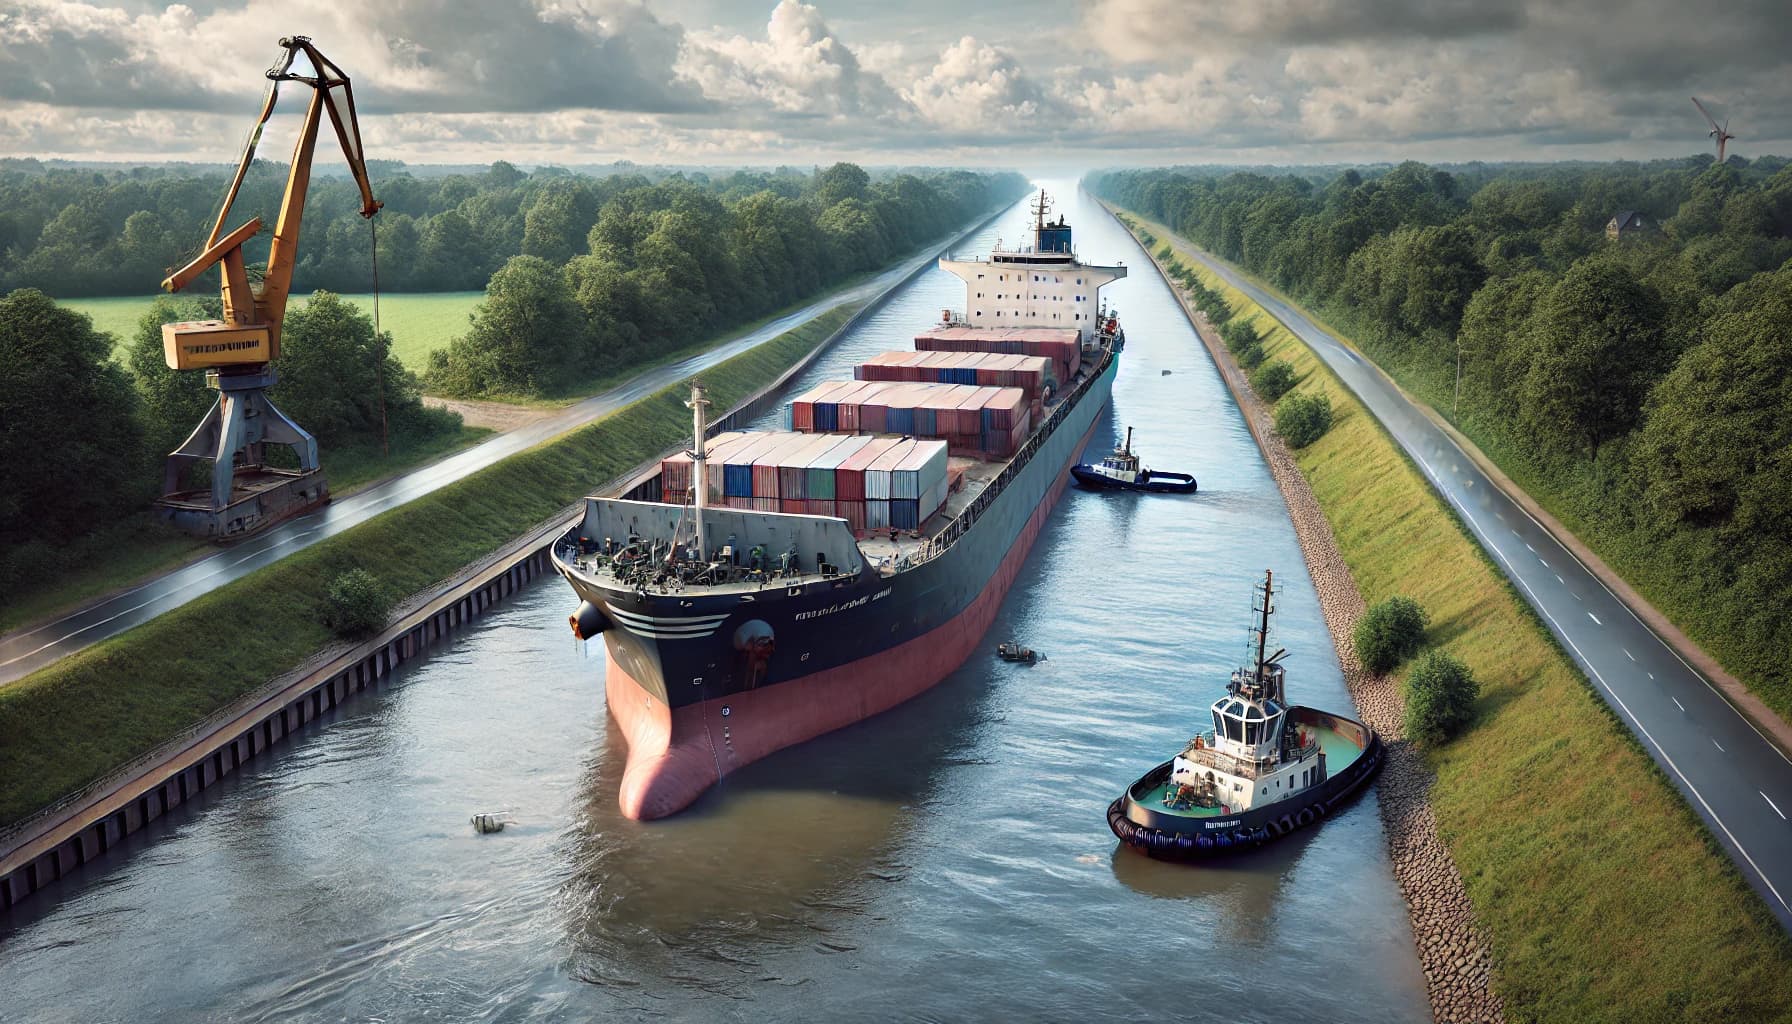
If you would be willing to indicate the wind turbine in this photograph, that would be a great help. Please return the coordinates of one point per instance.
(1722, 135)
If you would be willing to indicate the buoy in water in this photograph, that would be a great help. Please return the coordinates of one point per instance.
(484, 823)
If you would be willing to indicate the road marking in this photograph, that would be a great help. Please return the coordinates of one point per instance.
(1540, 559)
(1770, 803)
(1501, 518)
(1560, 580)
(1651, 675)
(1719, 746)
(1677, 703)
(1595, 619)
(1627, 653)
(1576, 596)
(1532, 550)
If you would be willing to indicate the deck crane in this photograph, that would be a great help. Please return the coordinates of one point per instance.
(238, 351)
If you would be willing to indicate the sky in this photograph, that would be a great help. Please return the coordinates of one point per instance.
(1039, 85)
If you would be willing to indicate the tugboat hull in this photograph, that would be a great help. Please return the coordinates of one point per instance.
(1159, 483)
(1170, 835)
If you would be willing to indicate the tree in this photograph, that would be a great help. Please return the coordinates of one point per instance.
(1440, 698)
(1721, 418)
(332, 368)
(173, 401)
(1389, 633)
(1303, 417)
(1591, 351)
(841, 181)
(526, 338)
(551, 228)
(69, 436)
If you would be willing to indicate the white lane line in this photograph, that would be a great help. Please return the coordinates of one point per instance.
(1501, 518)
(1677, 703)
(1540, 559)
(1576, 596)
(1595, 619)
(1719, 746)
(1560, 580)
(1651, 675)
(1627, 653)
(1770, 803)
(1527, 547)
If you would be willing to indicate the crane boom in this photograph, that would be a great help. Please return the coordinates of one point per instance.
(249, 334)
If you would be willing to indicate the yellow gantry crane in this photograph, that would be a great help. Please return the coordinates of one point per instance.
(237, 352)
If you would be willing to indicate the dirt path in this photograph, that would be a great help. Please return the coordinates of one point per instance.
(499, 416)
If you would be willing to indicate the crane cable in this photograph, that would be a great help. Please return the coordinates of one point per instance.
(373, 235)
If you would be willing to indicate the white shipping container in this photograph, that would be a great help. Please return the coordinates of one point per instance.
(877, 513)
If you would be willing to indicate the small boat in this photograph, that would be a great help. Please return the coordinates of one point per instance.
(1121, 471)
(1011, 651)
(488, 822)
(1266, 769)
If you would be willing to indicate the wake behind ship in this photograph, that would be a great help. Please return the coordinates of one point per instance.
(788, 583)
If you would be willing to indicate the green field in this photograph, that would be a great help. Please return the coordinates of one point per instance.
(1602, 894)
(419, 322)
(73, 722)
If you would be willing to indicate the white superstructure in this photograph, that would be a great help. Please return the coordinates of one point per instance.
(1037, 285)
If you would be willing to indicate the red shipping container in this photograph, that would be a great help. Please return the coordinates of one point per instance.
(853, 512)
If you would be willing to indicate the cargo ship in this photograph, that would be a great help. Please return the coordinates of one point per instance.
(767, 587)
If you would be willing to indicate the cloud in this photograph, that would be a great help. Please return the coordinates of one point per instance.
(800, 67)
(979, 87)
(404, 55)
(590, 80)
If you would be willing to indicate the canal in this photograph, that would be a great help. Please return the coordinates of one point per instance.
(948, 859)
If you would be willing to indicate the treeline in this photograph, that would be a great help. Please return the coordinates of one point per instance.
(613, 271)
(83, 438)
(73, 232)
(1641, 384)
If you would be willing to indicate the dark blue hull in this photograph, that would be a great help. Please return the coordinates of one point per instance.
(1159, 483)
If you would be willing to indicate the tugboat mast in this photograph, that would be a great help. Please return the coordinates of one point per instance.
(1263, 625)
(699, 406)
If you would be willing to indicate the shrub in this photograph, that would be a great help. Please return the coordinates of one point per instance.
(1239, 335)
(1440, 698)
(1251, 356)
(1214, 305)
(1303, 418)
(1164, 252)
(357, 605)
(1273, 380)
(1389, 633)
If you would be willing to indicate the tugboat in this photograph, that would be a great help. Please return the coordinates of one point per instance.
(1121, 471)
(1009, 650)
(1266, 769)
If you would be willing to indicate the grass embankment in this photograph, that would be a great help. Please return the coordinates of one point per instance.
(123, 554)
(419, 322)
(1603, 895)
(73, 722)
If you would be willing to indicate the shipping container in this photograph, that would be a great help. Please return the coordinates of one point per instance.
(877, 475)
(877, 515)
(853, 512)
(849, 477)
(1060, 344)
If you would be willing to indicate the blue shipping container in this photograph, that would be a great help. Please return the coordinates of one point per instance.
(905, 513)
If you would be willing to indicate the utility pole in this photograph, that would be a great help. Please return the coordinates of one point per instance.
(1457, 401)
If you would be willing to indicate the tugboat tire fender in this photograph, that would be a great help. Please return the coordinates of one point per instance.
(1285, 824)
(1305, 817)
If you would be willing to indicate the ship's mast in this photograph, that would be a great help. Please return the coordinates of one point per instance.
(1263, 625)
(699, 405)
(1040, 207)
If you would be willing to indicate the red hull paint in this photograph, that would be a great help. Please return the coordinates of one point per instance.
(674, 756)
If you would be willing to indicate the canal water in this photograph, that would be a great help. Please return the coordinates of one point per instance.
(946, 860)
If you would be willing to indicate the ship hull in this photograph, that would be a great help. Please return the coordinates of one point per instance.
(682, 741)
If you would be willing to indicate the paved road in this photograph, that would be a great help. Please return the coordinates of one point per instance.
(1737, 780)
(27, 650)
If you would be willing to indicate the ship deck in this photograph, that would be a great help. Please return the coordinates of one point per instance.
(1340, 752)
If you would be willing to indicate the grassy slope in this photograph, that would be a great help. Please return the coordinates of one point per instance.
(1602, 893)
(73, 722)
(1671, 573)
(419, 322)
(127, 552)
